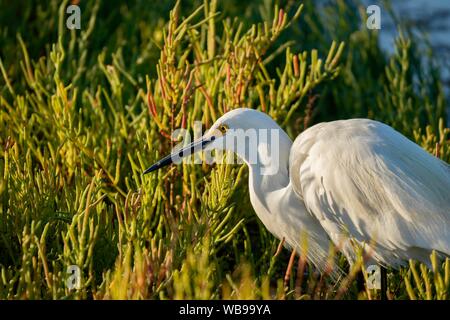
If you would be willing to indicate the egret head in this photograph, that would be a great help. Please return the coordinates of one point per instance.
(247, 132)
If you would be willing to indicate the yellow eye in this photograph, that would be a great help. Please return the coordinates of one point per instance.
(223, 128)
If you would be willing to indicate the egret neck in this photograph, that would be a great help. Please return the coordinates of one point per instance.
(269, 176)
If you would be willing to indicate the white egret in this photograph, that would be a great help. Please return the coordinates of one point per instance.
(358, 183)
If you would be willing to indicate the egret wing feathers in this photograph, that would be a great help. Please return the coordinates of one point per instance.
(369, 185)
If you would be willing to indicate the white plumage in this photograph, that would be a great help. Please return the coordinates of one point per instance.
(358, 183)
(364, 181)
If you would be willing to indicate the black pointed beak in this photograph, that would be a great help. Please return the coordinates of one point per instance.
(161, 163)
(175, 157)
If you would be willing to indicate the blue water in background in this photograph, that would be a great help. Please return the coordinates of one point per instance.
(432, 17)
(429, 16)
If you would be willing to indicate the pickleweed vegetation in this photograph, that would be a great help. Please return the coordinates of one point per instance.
(83, 111)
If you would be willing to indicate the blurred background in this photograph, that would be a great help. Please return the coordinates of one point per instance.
(431, 19)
